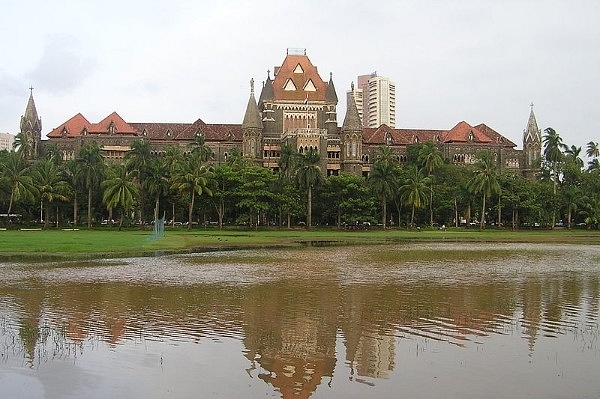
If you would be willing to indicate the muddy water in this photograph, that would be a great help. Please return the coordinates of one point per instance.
(414, 321)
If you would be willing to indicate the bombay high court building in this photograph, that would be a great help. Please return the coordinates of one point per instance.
(298, 108)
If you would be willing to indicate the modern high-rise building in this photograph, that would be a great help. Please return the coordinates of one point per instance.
(375, 98)
(6, 141)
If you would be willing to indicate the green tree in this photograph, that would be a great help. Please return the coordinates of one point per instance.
(120, 191)
(592, 149)
(15, 173)
(383, 180)
(22, 146)
(485, 181)
(414, 191)
(191, 177)
(138, 161)
(226, 181)
(349, 198)
(200, 148)
(156, 183)
(255, 193)
(431, 158)
(90, 166)
(309, 175)
(51, 185)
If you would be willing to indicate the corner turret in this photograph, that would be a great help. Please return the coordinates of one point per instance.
(31, 129)
(532, 145)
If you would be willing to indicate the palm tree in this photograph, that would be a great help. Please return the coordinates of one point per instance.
(383, 180)
(73, 178)
(90, 167)
(571, 196)
(414, 191)
(22, 145)
(431, 158)
(192, 178)
(485, 181)
(309, 175)
(15, 173)
(573, 153)
(120, 191)
(553, 154)
(138, 160)
(51, 185)
(554, 157)
(594, 165)
(156, 182)
(592, 150)
(200, 148)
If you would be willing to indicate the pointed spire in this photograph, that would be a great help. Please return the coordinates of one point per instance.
(532, 133)
(30, 120)
(252, 119)
(352, 119)
(331, 95)
(267, 93)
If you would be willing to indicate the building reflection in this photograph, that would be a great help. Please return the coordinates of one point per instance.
(290, 329)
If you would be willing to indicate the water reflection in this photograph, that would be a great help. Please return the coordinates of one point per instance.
(306, 316)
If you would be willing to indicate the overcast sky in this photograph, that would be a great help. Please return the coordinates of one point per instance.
(180, 60)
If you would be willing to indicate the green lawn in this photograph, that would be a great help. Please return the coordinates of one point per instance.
(68, 244)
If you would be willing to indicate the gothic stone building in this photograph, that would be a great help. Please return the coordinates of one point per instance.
(296, 107)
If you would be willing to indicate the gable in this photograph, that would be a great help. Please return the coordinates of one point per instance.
(289, 85)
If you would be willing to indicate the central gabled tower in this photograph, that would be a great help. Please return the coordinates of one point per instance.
(532, 146)
(297, 107)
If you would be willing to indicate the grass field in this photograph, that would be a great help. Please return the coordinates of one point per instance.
(42, 245)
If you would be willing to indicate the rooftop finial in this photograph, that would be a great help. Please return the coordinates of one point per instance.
(531, 105)
(269, 74)
(252, 86)
(352, 86)
(31, 90)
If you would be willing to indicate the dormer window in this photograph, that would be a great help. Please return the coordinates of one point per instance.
(64, 132)
(388, 139)
(169, 133)
(289, 85)
(471, 135)
(415, 139)
(144, 133)
(111, 128)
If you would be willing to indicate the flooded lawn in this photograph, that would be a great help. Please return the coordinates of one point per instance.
(414, 321)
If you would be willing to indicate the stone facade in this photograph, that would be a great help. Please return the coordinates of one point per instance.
(297, 107)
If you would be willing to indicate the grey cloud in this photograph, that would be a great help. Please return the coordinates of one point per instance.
(63, 65)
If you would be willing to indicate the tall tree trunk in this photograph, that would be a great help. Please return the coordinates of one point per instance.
(156, 206)
(499, 211)
(89, 210)
(47, 218)
(309, 216)
(75, 210)
(412, 217)
(482, 223)
(57, 216)
(431, 205)
(384, 207)
(190, 209)
(456, 221)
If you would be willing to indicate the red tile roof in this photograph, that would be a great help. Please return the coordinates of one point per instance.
(73, 127)
(401, 136)
(114, 119)
(286, 72)
(465, 133)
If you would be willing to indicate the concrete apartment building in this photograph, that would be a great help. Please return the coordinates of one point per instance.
(6, 141)
(375, 98)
